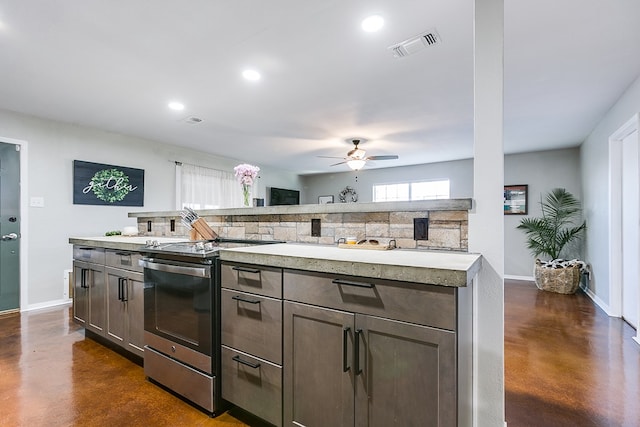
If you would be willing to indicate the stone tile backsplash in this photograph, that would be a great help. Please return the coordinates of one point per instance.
(448, 230)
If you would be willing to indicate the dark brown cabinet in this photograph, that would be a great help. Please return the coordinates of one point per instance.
(251, 301)
(125, 300)
(322, 349)
(352, 368)
(89, 304)
(125, 309)
(108, 295)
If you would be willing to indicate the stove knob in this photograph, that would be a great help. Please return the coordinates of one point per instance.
(199, 246)
(149, 242)
(156, 244)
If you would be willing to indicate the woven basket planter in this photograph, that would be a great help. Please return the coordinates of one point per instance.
(560, 280)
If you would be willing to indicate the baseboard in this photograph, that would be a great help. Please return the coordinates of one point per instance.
(596, 299)
(525, 278)
(48, 304)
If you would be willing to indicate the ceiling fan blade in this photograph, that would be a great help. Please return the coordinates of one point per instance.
(330, 157)
(339, 163)
(382, 157)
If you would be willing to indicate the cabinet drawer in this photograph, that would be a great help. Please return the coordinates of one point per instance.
(250, 278)
(89, 254)
(180, 378)
(252, 324)
(123, 259)
(253, 384)
(410, 302)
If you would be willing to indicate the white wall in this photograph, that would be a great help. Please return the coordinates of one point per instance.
(541, 171)
(459, 173)
(595, 183)
(52, 147)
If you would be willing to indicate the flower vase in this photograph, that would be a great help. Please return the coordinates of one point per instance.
(246, 193)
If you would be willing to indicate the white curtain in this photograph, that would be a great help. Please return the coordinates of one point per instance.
(204, 188)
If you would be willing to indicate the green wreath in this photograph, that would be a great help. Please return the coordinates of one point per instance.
(110, 185)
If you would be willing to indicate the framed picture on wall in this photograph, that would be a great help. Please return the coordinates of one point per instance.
(515, 199)
(323, 200)
(109, 185)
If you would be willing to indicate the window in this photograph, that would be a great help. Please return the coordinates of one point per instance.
(203, 188)
(424, 190)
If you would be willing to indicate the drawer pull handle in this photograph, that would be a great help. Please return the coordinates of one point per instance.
(83, 278)
(244, 362)
(246, 270)
(350, 283)
(345, 342)
(250, 301)
(356, 352)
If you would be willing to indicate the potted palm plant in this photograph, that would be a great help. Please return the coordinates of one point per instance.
(549, 236)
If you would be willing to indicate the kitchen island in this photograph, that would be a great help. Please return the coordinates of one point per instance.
(381, 335)
(315, 334)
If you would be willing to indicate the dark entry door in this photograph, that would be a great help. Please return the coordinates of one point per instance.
(9, 227)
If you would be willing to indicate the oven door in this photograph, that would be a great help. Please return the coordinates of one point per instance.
(177, 302)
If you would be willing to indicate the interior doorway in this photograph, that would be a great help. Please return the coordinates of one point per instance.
(9, 227)
(624, 225)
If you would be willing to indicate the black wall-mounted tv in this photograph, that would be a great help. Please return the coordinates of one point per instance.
(281, 196)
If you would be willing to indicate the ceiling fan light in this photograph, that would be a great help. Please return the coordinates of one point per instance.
(356, 164)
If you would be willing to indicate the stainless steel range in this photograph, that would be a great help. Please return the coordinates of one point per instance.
(182, 318)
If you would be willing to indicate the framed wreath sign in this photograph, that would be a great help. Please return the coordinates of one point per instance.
(348, 195)
(99, 184)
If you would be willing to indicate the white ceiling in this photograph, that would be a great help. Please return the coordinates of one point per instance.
(116, 65)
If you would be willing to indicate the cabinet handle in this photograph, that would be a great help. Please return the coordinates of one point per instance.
(345, 342)
(119, 288)
(246, 270)
(356, 352)
(250, 301)
(83, 278)
(350, 283)
(244, 362)
(125, 290)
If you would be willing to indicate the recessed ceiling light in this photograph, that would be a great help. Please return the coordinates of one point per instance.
(372, 23)
(177, 106)
(252, 75)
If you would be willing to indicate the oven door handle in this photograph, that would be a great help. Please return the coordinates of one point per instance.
(177, 269)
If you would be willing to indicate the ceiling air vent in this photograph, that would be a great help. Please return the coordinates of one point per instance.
(415, 44)
(193, 120)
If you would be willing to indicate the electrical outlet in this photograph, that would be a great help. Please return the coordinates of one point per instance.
(315, 227)
(421, 228)
(36, 202)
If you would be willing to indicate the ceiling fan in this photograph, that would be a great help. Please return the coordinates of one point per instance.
(356, 159)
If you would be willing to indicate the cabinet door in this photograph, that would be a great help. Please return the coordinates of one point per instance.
(318, 371)
(80, 292)
(116, 308)
(408, 374)
(135, 313)
(97, 300)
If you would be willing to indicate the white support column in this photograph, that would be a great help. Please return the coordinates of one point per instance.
(486, 221)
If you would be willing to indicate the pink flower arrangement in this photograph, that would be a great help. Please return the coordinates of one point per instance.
(246, 173)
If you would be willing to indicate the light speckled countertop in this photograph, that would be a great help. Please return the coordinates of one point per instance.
(427, 267)
(123, 243)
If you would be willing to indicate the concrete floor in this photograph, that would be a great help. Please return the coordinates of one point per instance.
(566, 364)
